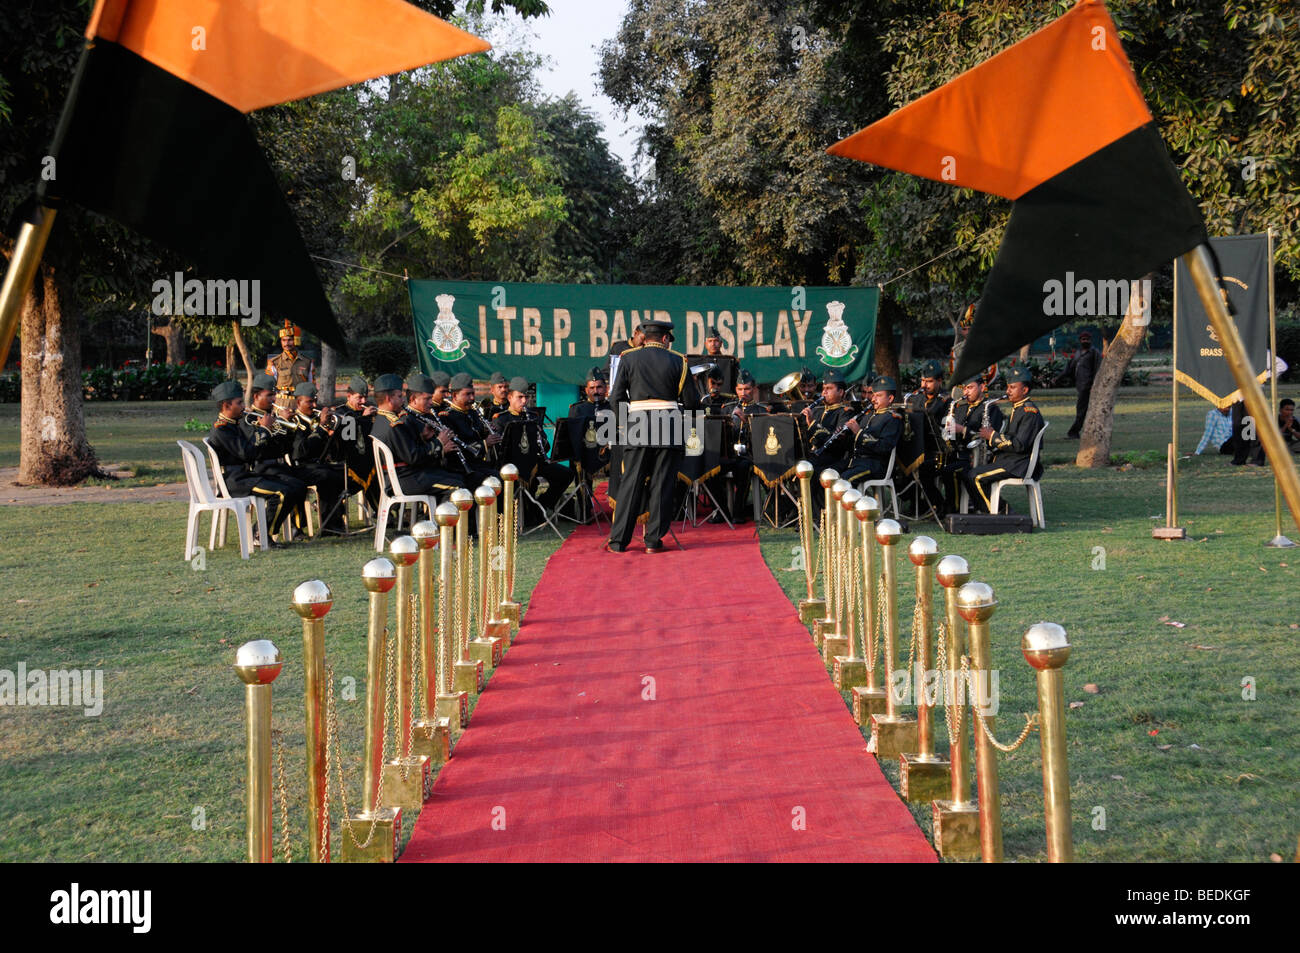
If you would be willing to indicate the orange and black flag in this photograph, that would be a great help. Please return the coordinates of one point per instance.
(155, 134)
(1057, 124)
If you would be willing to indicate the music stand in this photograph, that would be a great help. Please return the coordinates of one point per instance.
(777, 444)
(572, 446)
(702, 466)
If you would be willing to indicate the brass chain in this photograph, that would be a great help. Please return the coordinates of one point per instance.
(277, 743)
(851, 598)
(1031, 720)
(877, 649)
(918, 631)
(821, 552)
(950, 705)
(393, 712)
(333, 756)
(471, 604)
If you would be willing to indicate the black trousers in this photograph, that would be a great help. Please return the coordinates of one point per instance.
(1080, 411)
(328, 480)
(283, 495)
(980, 480)
(558, 478)
(660, 466)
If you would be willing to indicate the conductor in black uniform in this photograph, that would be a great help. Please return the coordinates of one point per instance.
(651, 380)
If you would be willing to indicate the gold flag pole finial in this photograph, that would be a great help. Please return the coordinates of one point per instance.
(28, 249)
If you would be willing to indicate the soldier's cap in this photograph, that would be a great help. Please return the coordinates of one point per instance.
(745, 378)
(884, 383)
(497, 378)
(358, 385)
(386, 382)
(807, 373)
(661, 325)
(419, 384)
(520, 384)
(263, 382)
(932, 369)
(834, 377)
(1020, 375)
(305, 389)
(712, 334)
(440, 379)
(461, 381)
(595, 374)
(227, 390)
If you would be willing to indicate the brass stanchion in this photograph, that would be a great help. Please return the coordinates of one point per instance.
(257, 664)
(432, 736)
(893, 732)
(847, 667)
(956, 819)
(868, 699)
(451, 703)
(488, 646)
(467, 673)
(976, 604)
(312, 601)
(836, 642)
(924, 775)
(826, 623)
(1047, 648)
(509, 609)
(407, 777)
(384, 823)
(811, 608)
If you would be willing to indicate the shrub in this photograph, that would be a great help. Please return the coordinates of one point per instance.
(386, 354)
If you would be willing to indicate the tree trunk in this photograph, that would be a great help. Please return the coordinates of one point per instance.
(248, 362)
(53, 446)
(329, 361)
(175, 338)
(905, 345)
(1024, 354)
(230, 361)
(1094, 439)
(886, 357)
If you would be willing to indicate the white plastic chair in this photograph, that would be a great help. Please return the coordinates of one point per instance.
(218, 536)
(885, 483)
(202, 499)
(1028, 482)
(390, 493)
(313, 499)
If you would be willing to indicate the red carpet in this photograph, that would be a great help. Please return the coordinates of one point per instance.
(745, 736)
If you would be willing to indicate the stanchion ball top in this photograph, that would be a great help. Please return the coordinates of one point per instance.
(839, 488)
(509, 472)
(923, 551)
(952, 571)
(462, 499)
(867, 509)
(975, 602)
(425, 533)
(850, 499)
(447, 514)
(312, 599)
(804, 470)
(888, 532)
(379, 575)
(495, 483)
(1045, 645)
(828, 478)
(258, 662)
(405, 550)
(485, 495)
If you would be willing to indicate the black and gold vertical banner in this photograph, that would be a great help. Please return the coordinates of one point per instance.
(1199, 363)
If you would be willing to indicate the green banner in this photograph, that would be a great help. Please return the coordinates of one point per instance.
(553, 334)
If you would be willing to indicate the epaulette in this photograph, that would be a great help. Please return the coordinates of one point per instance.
(1030, 409)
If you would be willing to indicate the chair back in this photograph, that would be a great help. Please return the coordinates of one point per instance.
(219, 477)
(196, 472)
(1033, 454)
(386, 466)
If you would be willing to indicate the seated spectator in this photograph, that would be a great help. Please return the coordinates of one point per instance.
(1287, 423)
(1218, 430)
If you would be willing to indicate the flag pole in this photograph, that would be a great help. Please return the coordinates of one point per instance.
(1200, 265)
(28, 249)
(1171, 529)
(1278, 541)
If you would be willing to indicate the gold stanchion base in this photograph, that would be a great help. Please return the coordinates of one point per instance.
(410, 791)
(833, 645)
(454, 708)
(497, 629)
(510, 611)
(848, 672)
(467, 676)
(890, 737)
(957, 830)
(382, 848)
(433, 740)
(486, 651)
(1169, 532)
(810, 610)
(868, 702)
(820, 629)
(923, 780)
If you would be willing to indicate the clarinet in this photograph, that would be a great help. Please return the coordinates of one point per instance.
(540, 420)
(439, 428)
(489, 453)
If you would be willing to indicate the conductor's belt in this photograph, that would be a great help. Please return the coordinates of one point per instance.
(652, 405)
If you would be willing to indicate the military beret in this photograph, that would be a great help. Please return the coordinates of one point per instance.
(385, 382)
(932, 369)
(419, 384)
(834, 377)
(595, 374)
(358, 385)
(745, 378)
(263, 382)
(976, 378)
(807, 373)
(305, 389)
(1020, 375)
(227, 390)
(461, 381)
(711, 334)
(520, 384)
(497, 378)
(885, 383)
(440, 379)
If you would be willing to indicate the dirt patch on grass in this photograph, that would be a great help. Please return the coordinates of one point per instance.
(12, 494)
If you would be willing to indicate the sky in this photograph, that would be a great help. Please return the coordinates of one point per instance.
(570, 37)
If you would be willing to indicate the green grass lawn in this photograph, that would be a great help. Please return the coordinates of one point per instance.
(103, 586)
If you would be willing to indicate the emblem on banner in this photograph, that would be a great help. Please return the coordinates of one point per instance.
(447, 343)
(693, 445)
(772, 445)
(837, 349)
(523, 440)
(589, 438)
